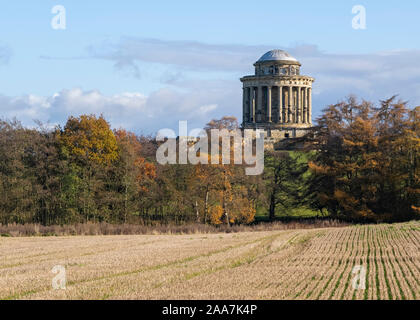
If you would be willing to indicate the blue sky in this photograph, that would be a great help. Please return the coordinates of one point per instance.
(147, 64)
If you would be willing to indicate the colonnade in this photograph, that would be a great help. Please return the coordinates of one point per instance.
(292, 104)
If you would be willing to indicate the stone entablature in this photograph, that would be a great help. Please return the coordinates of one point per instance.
(302, 81)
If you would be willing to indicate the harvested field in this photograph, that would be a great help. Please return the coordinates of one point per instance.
(284, 264)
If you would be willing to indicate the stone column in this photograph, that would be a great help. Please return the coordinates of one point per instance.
(290, 103)
(269, 102)
(303, 105)
(310, 105)
(280, 104)
(298, 113)
(259, 102)
(251, 104)
(244, 92)
(286, 106)
(306, 106)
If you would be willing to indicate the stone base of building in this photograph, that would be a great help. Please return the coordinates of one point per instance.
(274, 134)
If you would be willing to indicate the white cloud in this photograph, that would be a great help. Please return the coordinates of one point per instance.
(131, 110)
(208, 108)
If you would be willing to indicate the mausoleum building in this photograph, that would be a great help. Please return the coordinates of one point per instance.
(277, 98)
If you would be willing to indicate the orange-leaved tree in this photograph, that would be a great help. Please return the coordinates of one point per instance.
(223, 199)
(133, 172)
(366, 165)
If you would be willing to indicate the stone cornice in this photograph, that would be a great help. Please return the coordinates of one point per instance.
(270, 80)
(277, 63)
(273, 126)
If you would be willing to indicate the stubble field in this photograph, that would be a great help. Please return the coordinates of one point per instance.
(288, 264)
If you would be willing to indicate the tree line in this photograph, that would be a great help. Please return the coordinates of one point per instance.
(367, 160)
(359, 163)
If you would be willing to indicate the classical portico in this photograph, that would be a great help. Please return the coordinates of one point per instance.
(277, 98)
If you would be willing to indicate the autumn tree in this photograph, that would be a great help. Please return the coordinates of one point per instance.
(399, 146)
(32, 174)
(224, 199)
(365, 166)
(132, 172)
(16, 186)
(412, 163)
(91, 146)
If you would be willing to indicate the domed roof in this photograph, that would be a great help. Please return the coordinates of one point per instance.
(277, 55)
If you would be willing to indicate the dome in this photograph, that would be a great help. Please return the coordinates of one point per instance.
(277, 55)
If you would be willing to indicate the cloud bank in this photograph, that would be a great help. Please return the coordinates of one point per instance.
(131, 110)
(200, 81)
(372, 76)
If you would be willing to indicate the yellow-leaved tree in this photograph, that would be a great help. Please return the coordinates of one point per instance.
(91, 146)
(89, 139)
